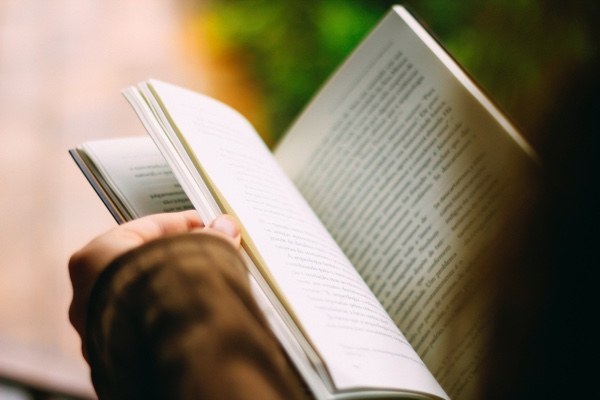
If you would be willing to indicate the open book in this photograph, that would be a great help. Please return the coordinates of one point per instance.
(366, 231)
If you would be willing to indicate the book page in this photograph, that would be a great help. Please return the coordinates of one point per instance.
(413, 174)
(360, 345)
(137, 174)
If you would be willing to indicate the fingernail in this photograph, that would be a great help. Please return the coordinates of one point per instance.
(227, 225)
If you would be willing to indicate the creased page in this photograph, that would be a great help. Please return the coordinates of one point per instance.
(359, 343)
(413, 171)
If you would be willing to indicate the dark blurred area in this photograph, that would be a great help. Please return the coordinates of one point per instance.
(545, 344)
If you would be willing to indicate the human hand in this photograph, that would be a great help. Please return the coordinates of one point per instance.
(86, 264)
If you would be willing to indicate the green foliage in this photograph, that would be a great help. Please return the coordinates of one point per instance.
(515, 49)
(293, 46)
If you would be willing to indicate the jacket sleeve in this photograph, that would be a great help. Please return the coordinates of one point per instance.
(175, 319)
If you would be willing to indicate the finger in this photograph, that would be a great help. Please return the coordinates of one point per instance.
(108, 246)
(158, 225)
(227, 227)
(86, 265)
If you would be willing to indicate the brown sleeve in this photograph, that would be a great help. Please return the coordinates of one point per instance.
(175, 319)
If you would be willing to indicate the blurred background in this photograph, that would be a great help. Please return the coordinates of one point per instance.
(64, 62)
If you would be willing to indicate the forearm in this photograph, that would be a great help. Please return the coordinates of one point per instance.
(175, 319)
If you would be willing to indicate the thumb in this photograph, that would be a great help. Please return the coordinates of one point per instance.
(227, 227)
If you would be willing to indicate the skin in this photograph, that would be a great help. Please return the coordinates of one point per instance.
(88, 263)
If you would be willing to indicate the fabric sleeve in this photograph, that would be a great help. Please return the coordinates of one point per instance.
(175, 319)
